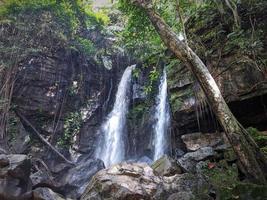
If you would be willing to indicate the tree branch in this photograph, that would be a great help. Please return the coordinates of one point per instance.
(43, 139)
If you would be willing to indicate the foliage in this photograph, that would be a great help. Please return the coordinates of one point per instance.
(153, 79)
(136, 72)
(85, 45)
(176, 102)
(72, 124)
(50, 19)
(13, 7)
(100, 16)
(139, 36)
(223, 177)
(12, 127)
(73, 89)
(259, 138)
(63, 11)
(212, 20)
(137, 111)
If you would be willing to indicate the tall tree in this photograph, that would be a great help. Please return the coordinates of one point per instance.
(251, 160)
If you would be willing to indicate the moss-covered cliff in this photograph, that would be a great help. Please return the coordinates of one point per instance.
(236, 57)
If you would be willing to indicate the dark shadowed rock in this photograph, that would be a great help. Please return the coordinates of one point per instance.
(178, 153)
(39, 177)
(14, 177)
(43, 178)
(189, 160)
(166, 166)
(46, 194)
(3, 161)
(77, 178)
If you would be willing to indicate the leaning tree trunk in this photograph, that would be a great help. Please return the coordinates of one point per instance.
(251, 160)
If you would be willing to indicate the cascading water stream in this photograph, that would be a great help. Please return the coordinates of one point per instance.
(162, 117)
(112, 149)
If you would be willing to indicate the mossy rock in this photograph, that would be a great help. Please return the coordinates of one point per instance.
(229, 155)
(259, 138)
(245, 191)
(166, 166)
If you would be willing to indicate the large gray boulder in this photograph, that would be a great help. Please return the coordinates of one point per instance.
(137, 181)
(189, 160)
(123, 181)
(166, 166)
(195, 141)
(14, 177)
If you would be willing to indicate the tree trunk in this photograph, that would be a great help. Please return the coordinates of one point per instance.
(252, 161)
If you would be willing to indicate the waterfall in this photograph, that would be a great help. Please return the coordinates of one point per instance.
(112, 149)
(162, 117)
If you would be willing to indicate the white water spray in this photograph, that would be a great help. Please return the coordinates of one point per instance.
(162, 119)
(112, 150)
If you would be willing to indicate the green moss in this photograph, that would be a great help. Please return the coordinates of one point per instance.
(100, 16)
(13, 7)
(12, 127)
(225, 181)
(259, 138)
(178, 97)
(176, 102)
(85, 45)
(72, 124)
(229, 155)
(137, 111)
(264, 150)
(222, 175)
(249, 191)
(136, 72)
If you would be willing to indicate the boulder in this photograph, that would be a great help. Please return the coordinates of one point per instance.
(45, 179)
(77, 178)
(14, 177)
(2, 151)
(39, 177)
(137, 181)
(4, 161)
(189, 160)
(195, 141)
(46, 194)
(181, 196)
(123, 181)
(166, 166)
(178, 153)
(186, 182)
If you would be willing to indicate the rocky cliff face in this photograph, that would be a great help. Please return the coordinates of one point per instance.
(232, 56)
(63, 85)
(62, 82)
